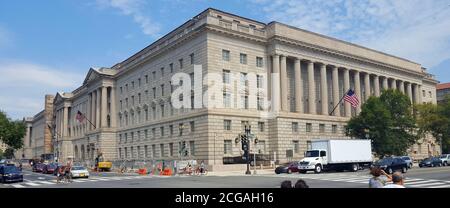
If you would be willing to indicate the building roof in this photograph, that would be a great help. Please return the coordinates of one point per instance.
(443, 86)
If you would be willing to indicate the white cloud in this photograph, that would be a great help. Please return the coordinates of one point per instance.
(418, 30)
(133, 8)
(23, 86)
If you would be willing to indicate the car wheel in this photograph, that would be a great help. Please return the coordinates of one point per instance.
(318, 169)
(289, 171)
(355, 167)
(445, 163)
(404, 170)
(440, 164)
(410, 165)
(390, 171)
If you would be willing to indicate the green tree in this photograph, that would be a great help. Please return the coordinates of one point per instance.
(435, 120)
(1, 154)
(387, 121)
(11, 132)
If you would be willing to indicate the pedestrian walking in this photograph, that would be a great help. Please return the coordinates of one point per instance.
(301, 184)
(398, 181)
(286, 184)
(379, 179)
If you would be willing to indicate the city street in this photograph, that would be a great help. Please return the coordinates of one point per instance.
(415, 178)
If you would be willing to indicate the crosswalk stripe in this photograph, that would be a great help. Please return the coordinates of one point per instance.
(429, 184)
(17, 186)
(45, 182)
(32, 184)
(418, 182)
(443, 186)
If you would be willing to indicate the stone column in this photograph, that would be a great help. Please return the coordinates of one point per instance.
(385, 83)
(367, 86)
(284, 84)
(104, 106)
(276, 83)
(416, 93)
(394, 84)
(337, 111)
(93, 109)
(312, 88)
(65, 121)
(376, 81)
(298, 87)
(402, 86)
(113, 112)
(324, 88)
(409, 91)
(97, 109)
(88, 109)
(358, 90)
(348, 109)
(420, 94)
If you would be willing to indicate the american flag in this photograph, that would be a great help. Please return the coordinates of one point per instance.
(79, 117)
(352, 98)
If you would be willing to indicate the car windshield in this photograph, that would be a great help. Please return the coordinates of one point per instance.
(385, 161)
(427, 159)
(314, 153)
(443, 156)
(10, 169)
(405, 158)
(78, 168)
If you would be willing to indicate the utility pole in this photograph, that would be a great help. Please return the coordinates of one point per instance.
(246, 142)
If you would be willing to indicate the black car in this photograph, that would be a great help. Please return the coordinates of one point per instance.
(287, 168)
(431, 162)
(10, 173)
(392, 164)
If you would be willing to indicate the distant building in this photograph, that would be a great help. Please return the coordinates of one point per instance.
(442, 90)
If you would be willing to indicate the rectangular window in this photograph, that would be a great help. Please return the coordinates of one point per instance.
(171, 130)
(259, 62)
(259, 81)
(121, 106)
(192, 148)
(145, 151)
(132, 100)
(296, 147)
(192, 58)
(262, 146)
(161, 148)
(139, 98)
(154, 92)
(423, 93)
(322, 128)
(308, 145)
(334, 129)
(132, 136)
(138, 136)
(226, 100)
(120, 153)
(121, 90)
(259, 103)
(138, 151)
(153, 113)
(191, 76)
(154, 75)
(295, 127)
(162, 90)
(226, 76)
(225, 55)
(243, 58)
(161, 129)
(181, 63)
(227, 125)
(146, 134)
(126, 87)
(244, 102)
(139, 82)
(126, 152)
(162, 72)
(308, 127)
(192, 125)
(162, 111)
(132, 85)
(146, 79)
(153, 133)
(132, 152)
(180, 128)
(244, 80)
(261, 126)
(171, 67)
(170, 149)
(227, 147)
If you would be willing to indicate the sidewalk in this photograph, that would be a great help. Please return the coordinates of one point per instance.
(241, 172)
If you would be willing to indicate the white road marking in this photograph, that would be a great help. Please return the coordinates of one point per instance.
(429, 184)
(32, 184)
(417, 182)
(443, 186)
(17, 186)
(45, 182)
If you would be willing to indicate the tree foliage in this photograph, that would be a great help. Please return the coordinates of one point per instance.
(435, 120)
(388, 122)
(11, 132)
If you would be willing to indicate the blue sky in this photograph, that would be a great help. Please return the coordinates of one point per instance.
(48, 46)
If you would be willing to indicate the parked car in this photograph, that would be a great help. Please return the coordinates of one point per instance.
(38, 167)
(289, 168)
(431, 162)
(392, 164)
(445, 158)
(10, 173)
(408, 161)
(49, 168)
(79, 172)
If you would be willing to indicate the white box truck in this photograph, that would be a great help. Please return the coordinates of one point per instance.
(337, 154)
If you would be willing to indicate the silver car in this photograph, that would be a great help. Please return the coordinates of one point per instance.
(445, 158)
(408, 161)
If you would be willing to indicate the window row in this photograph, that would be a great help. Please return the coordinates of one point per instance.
(226, 56)
(141, 135)
(157, 151)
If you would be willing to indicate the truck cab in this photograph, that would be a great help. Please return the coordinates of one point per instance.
(313, 160)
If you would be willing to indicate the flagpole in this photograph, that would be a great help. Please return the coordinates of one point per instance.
(87, 119)
(339, 102)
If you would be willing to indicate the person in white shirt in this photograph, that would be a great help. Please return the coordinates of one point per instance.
(398, 181)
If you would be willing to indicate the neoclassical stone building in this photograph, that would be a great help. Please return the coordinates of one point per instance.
(133, 117)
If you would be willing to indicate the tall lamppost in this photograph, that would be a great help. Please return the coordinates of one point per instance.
(245, 142)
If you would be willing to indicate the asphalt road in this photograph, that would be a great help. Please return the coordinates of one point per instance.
(415, 178)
